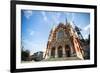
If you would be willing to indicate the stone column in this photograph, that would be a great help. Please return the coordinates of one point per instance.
(49, 53)
(46, 54)
(71, 50)
(56, 52)
(64, 53)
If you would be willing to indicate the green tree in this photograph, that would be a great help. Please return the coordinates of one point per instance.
(25, 54)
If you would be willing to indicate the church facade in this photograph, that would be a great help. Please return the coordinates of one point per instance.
(63, 42)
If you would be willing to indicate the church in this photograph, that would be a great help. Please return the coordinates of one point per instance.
(63, 42)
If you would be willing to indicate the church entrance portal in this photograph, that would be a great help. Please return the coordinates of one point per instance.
(53, 52)
(67, 50)
(59, 51)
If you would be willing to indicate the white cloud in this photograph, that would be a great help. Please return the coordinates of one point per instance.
(44, 16)
(56, 17)
(28, 13)
(86, 31)
(32, 33)
(87, 27)
(70, 16)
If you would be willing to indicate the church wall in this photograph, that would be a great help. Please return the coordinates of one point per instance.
(56, 41)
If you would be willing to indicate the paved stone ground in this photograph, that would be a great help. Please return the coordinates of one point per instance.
(54, 59)
(62, 59)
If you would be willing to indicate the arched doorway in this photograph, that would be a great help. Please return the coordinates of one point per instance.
(67, 50)
(59, 51)
(53, 52)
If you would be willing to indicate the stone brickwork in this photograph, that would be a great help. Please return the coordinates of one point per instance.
(63, 42)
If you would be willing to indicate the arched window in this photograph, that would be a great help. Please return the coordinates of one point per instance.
(60, 34)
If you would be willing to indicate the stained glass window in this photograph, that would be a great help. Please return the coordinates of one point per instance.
(60, 34)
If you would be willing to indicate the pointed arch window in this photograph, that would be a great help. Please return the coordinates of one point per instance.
(60, 34)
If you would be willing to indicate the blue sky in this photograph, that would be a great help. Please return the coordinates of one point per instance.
(36, 26)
